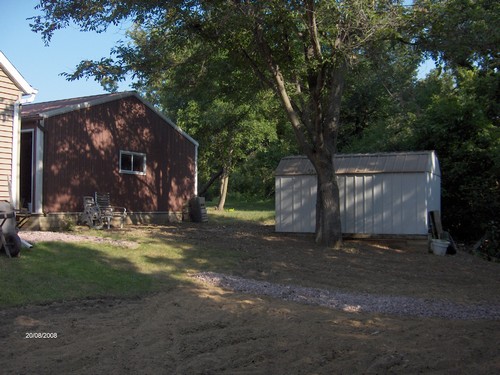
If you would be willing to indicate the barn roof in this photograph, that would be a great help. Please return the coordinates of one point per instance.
(396, 162)
(58, 107)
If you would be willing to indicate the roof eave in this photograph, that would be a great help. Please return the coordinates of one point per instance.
(113, 97)
(87, 104)
(16, 77)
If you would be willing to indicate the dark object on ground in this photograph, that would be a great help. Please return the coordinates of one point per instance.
(9, 240)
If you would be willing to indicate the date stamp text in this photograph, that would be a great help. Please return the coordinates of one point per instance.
(41, 335)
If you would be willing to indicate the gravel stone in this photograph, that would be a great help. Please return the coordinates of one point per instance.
(48, 236)
(354, 302)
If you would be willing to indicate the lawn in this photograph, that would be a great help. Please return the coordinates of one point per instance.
(241, 210)
(56, 271)
(138, 309)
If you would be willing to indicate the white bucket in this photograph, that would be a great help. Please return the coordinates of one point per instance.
(439, 246)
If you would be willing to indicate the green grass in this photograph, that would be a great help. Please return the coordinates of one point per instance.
(254, 211)
(55, 271)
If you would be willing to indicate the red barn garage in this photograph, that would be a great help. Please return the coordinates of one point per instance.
(112, 143)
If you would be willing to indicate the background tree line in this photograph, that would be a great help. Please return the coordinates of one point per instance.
(237, 74)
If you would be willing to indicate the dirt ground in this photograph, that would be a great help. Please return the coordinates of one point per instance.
(196, 328)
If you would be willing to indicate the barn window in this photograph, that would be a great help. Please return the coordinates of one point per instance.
(132, 162)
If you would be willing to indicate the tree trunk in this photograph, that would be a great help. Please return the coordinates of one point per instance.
(223, 190)
(328, 224)
(315, 122)
(214, 177)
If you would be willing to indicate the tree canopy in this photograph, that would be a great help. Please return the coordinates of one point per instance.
(342, 71)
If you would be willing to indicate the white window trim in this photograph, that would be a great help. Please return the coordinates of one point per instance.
(126, 171)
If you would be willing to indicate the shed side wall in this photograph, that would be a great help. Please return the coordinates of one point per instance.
(296, 204)
(383, 203)
(392, 204)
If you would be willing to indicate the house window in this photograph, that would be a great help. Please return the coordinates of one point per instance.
(132, 162)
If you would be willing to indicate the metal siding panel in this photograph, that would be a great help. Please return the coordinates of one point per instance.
(305, 207)
(378, 204)
(287, 204)
(408, 204)
(277, 204)
(359, 199)
(310, 211)
(300, 196)
(368, 205)
(387, 203)
(342, 200)
(296, 204)
(421, 206)
(397, 208)
(381, 203)
(399, 163)
(300, 191)
(433, 192)
(350, 205)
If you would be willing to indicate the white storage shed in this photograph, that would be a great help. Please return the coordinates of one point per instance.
(380, 194)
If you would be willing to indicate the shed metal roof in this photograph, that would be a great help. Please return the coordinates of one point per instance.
(397, 162)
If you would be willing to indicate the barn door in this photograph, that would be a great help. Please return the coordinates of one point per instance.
(26, 170)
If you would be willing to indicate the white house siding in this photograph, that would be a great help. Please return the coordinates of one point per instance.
(394, 203)
(9, 94)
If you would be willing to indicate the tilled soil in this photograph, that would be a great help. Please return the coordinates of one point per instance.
(213, 327)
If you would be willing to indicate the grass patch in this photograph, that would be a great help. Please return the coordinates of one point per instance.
(55, 271)
(253, 211)
(58, 271)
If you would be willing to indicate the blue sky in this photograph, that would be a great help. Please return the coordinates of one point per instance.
(41, 65)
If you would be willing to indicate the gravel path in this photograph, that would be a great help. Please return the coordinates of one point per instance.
(351, 302)
(47, 236)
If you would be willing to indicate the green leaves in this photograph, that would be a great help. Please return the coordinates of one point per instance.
(460, 33)
(460, 121)
(221, 68)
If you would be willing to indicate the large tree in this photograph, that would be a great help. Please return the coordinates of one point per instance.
(226, 110)
(302, 50)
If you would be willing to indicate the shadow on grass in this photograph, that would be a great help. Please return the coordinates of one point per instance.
(168, 254)
(194, 330)
(54, 271)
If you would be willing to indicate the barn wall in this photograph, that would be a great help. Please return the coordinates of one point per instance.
(82, 151)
